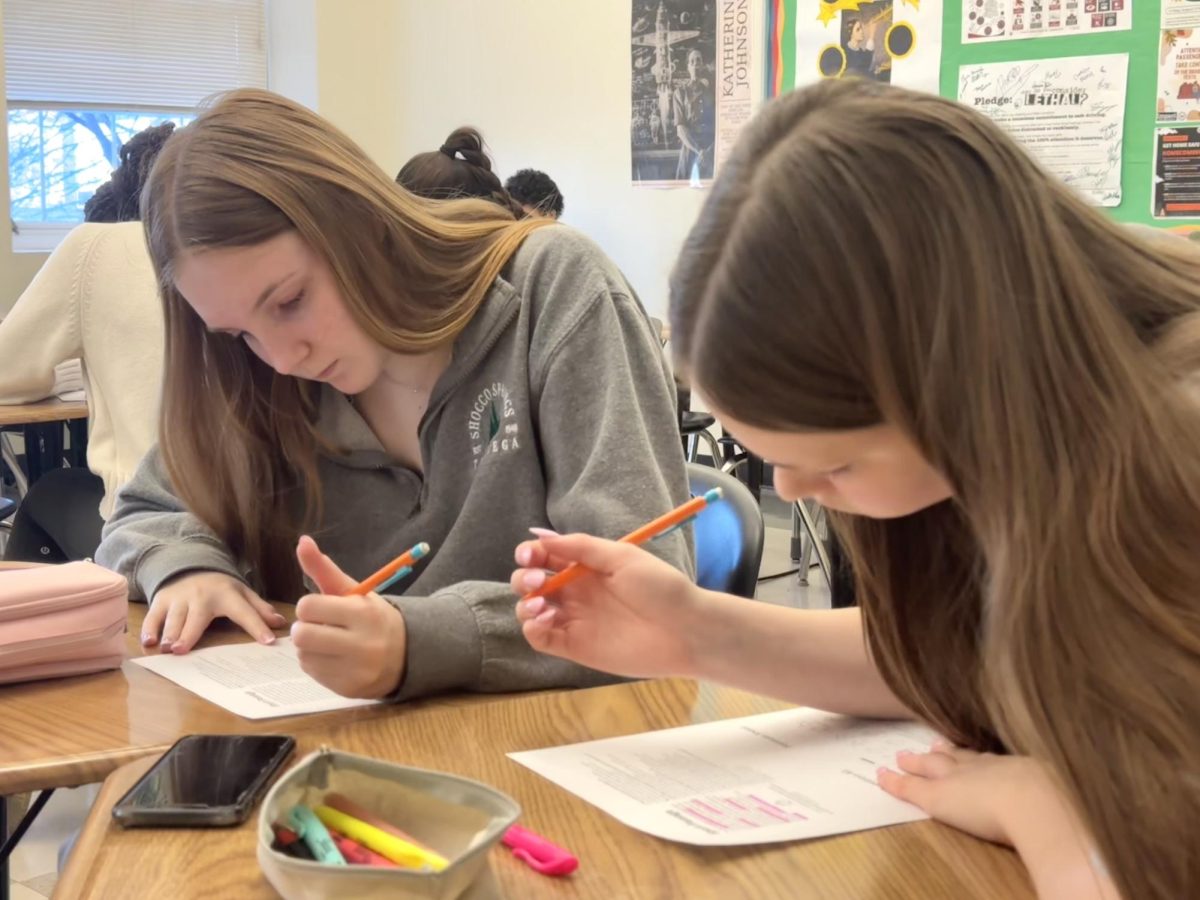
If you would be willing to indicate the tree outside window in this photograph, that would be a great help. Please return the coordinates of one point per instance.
(58, 157)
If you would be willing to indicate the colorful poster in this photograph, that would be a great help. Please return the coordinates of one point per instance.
(1069, 113)
(1177, 173)
(894, 41)
(1180, 14)
(1179, 75)
(1012, 20)
(697, 75)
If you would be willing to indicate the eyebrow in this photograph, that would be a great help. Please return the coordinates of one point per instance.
(262, 298)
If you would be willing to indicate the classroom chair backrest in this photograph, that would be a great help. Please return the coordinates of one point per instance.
(728, 535)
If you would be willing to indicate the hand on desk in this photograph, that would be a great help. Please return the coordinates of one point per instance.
(632, 615)
(353, 644)
(183, 608)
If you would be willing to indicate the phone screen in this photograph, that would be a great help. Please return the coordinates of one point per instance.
(210, 771)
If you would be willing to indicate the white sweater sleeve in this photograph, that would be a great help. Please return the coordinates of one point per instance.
(42, 329)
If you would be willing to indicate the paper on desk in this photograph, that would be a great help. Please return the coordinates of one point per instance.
(252, 680)
(781, 776)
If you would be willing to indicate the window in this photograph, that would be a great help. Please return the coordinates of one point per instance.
(83, 76)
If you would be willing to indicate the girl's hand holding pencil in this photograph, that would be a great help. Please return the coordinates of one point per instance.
(621, 610)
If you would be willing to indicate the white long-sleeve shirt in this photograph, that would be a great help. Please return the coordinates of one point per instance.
(94, 298)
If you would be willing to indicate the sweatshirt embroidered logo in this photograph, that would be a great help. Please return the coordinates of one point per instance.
(491, 422)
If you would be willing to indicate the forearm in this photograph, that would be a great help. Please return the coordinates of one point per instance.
(810, 657)
(467, 637)
(1059, 857)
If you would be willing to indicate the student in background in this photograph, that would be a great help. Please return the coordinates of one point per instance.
(1002, 403)
(94, 298)
(459, 168)
(347, 361)
(536, 192)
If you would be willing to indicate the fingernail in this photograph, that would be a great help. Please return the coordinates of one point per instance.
(904, 754)
(534, 605)
(166, 646)
(546, 615)
(544, 532)
(524, 555)
(533, 579)
(941, 744)
(280, 620)
(178, 649)
(881, 771)
(147, 640)
(267, 639)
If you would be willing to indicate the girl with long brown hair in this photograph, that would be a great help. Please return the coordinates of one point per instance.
(349, 362)
(995, 387)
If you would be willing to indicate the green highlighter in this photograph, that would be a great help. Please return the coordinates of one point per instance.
(305, 823)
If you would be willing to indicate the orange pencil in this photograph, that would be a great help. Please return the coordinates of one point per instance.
(393, 571)
(676, 518)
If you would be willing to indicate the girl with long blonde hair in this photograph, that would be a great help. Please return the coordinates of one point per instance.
(351, 370)
(994, 387)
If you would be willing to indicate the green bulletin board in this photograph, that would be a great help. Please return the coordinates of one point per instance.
(1141, 43)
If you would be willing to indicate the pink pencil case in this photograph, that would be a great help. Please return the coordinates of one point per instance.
(61, 620)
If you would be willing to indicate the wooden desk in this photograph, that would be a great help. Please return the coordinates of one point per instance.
(72, 731)
(924, 860)
(52, 410)
(43, 432)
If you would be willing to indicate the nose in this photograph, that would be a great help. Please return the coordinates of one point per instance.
(285, 355)
(792, 486)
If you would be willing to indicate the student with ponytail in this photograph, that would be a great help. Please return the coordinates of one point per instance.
(459, 168)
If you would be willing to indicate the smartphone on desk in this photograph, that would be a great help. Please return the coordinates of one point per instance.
(205, 780)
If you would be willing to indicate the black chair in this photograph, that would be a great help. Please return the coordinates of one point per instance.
(728, 535)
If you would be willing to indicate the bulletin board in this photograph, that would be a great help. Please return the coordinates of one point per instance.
(1141, 42)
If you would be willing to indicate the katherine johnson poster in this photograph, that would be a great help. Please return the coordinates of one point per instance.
(697, 75)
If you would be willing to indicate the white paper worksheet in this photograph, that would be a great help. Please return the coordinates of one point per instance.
(255, 681)
(780, 776)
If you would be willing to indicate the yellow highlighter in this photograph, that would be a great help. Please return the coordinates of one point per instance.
(401, 852)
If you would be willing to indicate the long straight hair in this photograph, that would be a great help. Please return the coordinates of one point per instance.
(239, 440)
(888, 256)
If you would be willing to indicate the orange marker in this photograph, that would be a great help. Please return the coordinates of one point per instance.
(664, 524)
(393, 571)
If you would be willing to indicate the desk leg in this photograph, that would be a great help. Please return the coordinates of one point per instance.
(43, 448)
(10, 843)
(78, 430)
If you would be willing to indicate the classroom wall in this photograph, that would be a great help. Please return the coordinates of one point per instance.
(549, 88)
(359, 71)
(16, 269)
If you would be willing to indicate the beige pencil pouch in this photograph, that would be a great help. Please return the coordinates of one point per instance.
(460, 818)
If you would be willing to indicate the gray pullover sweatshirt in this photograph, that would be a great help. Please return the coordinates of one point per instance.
(556, 411)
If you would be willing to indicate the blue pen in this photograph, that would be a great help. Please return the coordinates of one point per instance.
(315, 835)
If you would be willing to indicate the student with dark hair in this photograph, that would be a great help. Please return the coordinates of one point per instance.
(536, 192)
(96, 299)
(117, 199)
(459, 168)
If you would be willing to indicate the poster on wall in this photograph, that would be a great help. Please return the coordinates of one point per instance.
(1180, 14)
(894, 41)
(1014, 20)
(1179, 75)
(697, 73)
(1176, 173)
(1069, 113)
